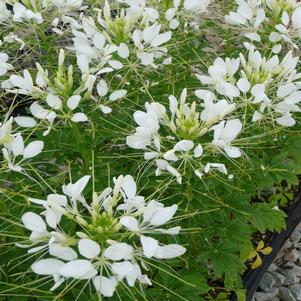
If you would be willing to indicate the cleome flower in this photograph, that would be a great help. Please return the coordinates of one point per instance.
(112, 238)
(15, 149)
(279, 20)
(267, 88)
(182, 140)
(55, 97)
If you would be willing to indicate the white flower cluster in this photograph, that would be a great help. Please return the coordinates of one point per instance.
(51, 93)
(32, 11)
(256, 16)
(185, 139)
(268, 88)
(114, 237)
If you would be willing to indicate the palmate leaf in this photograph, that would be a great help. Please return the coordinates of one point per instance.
(265, 217)
(200, 286)
(226, 264)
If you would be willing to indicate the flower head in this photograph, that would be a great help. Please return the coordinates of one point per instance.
(181, 139)
(114, 235)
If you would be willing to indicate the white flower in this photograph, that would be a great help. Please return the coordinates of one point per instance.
(149, 43)
(92, 50)
(94, 254)
(224, 134)
(74, 191)
(21, 13)
(148, 127)
(16, 148)
(23, 84)
(249, 13)
(221, 75)
(172, 140)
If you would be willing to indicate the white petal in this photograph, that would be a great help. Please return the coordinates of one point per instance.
(48, 266)
(293, 98)
(184, 145)
(73, 102)
(54, 101)
(198, 151)
(146, 58)
(83, 63)
(102, 88)
(130, 222)
(88, 248)
(65, 253)
(150, 155)
(256, 116)
(163, 215)
(33, 222)
(52, 219)
(243, 85)
(285, 90)
(169, 251)
(286, 120)
(129, 186)
(117, 95)
(105, 109)
(79, 117)
(122, 268)
(116, 64)
(26, 122)
(137, 142)
(58, 199)
(78, 269)
(161, 39)
(33, 149)
(233, 152)
(123, 51)
(17, 145)
(105, 286)
(149, 246)
(119, 251)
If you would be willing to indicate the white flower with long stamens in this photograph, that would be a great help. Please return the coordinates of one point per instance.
(267, 87)
(221, 76)
(94, 53)
(120, 233)
(16, 149)
(224, 134)
(24, 84)
(282, 17)
(186, 131)
(149, 43)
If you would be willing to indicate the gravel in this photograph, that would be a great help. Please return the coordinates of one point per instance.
(282, 280)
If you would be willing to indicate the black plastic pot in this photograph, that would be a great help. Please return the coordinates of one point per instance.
(252, 277)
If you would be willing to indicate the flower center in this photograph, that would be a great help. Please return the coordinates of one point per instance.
(187, 122)
(103, 226)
